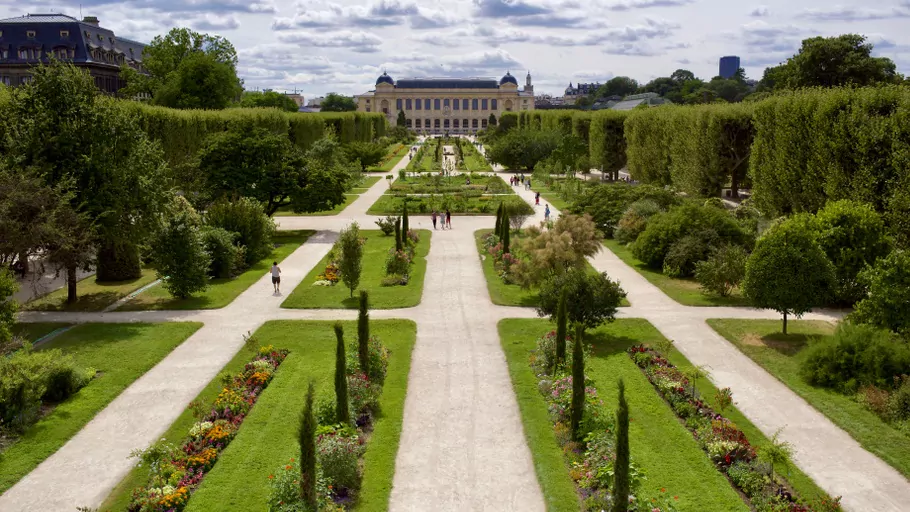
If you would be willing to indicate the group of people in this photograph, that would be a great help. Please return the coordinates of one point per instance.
(520, 180)
(445, 219)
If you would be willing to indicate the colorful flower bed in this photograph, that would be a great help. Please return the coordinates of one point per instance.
(590, 461)
(503, 263)
(176, 471)
(339, 446)
(724, 443)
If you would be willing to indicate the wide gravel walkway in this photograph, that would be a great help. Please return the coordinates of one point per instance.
(462, 445)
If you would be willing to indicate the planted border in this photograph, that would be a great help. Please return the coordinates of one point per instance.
(176, 472)
(724, 443)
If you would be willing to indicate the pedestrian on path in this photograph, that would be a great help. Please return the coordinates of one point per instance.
(448, 218)
(546, 212)
(537, 199)
(529, 184)
(276, 277)
(434, 219)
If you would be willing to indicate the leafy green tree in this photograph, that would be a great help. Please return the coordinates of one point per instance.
(307, 437)
(8, 305)
(247, 218)
(618, 86)
(363, 332)
(72, 137)
(831, 62)
(180, 256)
(492, 120)
(682, 75)
(203, 64)
(621, 483)
(728, 89)
(351, 263)
(342, 413)
(367, 153)
(268, 99)
(788, 272)
(591, 298)
(523, 148)
(578, 384)
(402, 120)
(724, 269)
(337, 103)
(247, 161)
(853, 236)
(888, 302)
(326, 177)
(561, 325)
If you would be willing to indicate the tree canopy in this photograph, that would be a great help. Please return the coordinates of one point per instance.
(264, 99)
(337, 103)
(523, 147)
(618, 86)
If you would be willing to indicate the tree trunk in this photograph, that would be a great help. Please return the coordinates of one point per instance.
(71, 284)
(785, 322)
(734, 185)
(23, 259)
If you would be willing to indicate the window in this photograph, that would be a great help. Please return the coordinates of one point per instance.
(417, 105)
(483, 123)
(455, 104)
(464, 104)
(445, 124)
(436, 123)
(436, 104)
(4, 54)
(23, 53)
(455, 123)
(474, 122)
(30, 34)
(64, 34)
(474, 104)
(417, 123)
(445, 103)
(368, 109)
(100, 37)
(5, 80)
(61, 53)
(398, 104)
(426, 104)
(407, 104)
(483, 104)
(493, 104)
(25, 79)
(407, 122)
(464, 123)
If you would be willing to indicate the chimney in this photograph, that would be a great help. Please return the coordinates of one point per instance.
(91, 20)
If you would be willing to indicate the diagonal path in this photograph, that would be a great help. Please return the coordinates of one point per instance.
(462, 446)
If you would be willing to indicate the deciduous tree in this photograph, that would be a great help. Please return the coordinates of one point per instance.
(268, 99)
(337, 103)
(367, 153)
(888, 302)
(351, 256)
(181, 260)
(591, 298)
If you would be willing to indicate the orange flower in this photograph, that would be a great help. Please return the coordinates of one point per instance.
(676, 498)
(287, 467)
(663, 489)
(271, 477)
(292, 459)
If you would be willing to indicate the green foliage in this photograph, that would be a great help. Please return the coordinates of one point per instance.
(776, 452)
(578, 384)
(618, 86)
(325, 179)
(399, 246)
(199, 82)
(404, 221)
(182, 262)
(591, 299)
(857, 355)
(606, 140)
(635, 219)
(8, 306)
(247, 218)
(497, 229)
(341, 382)
(351, 263)
(523, 148)
(853, 237)
(337, 103)
(226, 258)
(709, 225)
(118, 261)
(561, 324)
(607, 203)
(886, 305)
(307, 440)
(387, 225)
(506, 230)
(621, 484)
(363, 332)
(564, 246)
(686, 252)
(367, 153)
(268, 99)
(649, 139)
(723, 271)
(788, 272)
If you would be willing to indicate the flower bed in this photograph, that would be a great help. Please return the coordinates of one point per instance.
(339, 447)
(176, 471)
(724, 443)
(591, 461)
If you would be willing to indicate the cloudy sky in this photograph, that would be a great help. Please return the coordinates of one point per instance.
(343, 45)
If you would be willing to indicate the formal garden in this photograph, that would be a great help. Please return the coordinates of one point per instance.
(354, 193)
(462, 194)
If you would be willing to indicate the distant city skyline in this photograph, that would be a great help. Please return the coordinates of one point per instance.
(343, 45)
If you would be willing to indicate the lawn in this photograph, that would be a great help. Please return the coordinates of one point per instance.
(121, 353)
(390, 160)
(220, 292)
(364, 185)
(684, 291)
(268, 437)
(92, 295)
(426, 193)
(473, 160)
(659, 443)
(552, 197)
(782, 356)
(503, 294)
(33, 332)
(375, 251)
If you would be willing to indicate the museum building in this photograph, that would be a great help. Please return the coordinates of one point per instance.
(447, 105)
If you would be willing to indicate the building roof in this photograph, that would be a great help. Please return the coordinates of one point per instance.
(508, 79)
(41, 18)
(447, 83)
(385, 78)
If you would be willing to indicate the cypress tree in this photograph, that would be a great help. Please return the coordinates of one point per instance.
(561, 330)
(398, 234)
(621, 466)
(578, 383)
(496, 228)
(307, 437)
(341, 378)
(363, 333)
(506, 241)
(404, 221)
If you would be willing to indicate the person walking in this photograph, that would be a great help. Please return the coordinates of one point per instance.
(529, 183)
(448, 218)
(276, 277)
(433, 216)
(537, 199)
(546, 213)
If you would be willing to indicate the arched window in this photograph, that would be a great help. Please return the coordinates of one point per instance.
(474, 122)
(407, 122)
(417, 123)
(456, 123)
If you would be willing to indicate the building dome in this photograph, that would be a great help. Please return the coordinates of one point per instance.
(508, 79)
(385, 79)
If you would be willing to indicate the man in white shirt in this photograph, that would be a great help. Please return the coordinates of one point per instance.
(276, 277)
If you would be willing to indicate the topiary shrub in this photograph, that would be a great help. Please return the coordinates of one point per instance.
(247, 218)
(226, 258)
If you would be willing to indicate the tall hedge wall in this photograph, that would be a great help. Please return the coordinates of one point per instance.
(648, 139)
(606, 140)
(818, 145)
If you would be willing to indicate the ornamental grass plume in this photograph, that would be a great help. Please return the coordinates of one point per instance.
(561, 330)
(307, 437)
(621, 466)
(578, 384)
(363, 333)
(341, 380)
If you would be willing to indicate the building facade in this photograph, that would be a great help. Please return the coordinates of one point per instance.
(447, 105)
(30, 40)
(729, 65)
(572, 93)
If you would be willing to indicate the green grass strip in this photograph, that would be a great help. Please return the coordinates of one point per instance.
(121, 353)
(33, 332)
(220, 292)
(375, 252)
(782, 356)
(92, 295)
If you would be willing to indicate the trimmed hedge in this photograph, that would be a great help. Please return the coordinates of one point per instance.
(606, 140)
